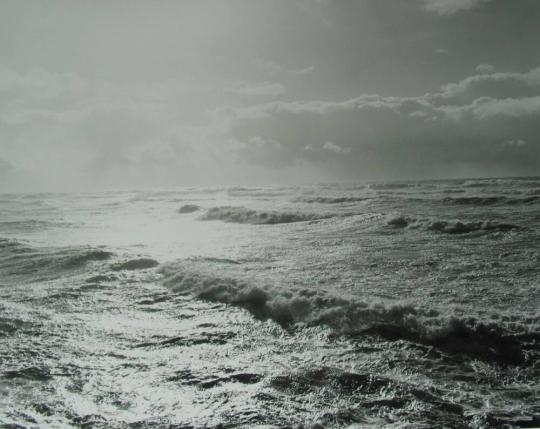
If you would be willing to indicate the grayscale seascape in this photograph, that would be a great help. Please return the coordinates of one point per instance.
(269, 214)
(411, 304)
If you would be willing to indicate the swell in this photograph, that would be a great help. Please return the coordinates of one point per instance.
(489, 340)
(188, 208)
(449, 227)
(29, 225)
(135, 264)
(486, 201)
(234, 214)
(392, 185)
(19, 259)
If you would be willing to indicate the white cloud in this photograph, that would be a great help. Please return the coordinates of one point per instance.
(274, 68)
(516, 143)
(64, 130)
(450, 7)
(441, 51)
(485, 68)
(510, 107)
(261, 89)
(496, 85)
(332, 147)
(462, 123)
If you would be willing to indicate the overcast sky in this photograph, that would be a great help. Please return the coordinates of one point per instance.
(125, 94)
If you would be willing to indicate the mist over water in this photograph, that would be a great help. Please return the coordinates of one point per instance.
(410, 304)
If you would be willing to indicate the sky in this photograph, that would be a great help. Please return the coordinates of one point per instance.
(127, 94)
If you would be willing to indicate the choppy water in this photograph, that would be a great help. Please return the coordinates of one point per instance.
(410, 305)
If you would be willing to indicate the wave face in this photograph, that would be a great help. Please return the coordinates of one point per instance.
(18, 259)
(486, 201)
(244, 215)
(188, 208)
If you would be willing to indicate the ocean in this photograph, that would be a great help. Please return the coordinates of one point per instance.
(395, 305)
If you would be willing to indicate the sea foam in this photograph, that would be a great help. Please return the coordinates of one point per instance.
(451, 332)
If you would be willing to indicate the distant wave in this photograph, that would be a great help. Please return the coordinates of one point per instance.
(19, 259)
(188, 208)
(390, 185)
(8, 243)
(29, 225)
(448, 227)
(331, 200)
(521, 182)
(257, 192)
(486, 340)
(76, 258)
(484, 201)
(249, 216)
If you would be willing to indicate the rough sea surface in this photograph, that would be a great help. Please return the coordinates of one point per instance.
(396, 305)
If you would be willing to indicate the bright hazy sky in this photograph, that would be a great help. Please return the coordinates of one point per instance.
(125, 94)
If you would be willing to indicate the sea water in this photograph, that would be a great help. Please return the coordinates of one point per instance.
(398, 305)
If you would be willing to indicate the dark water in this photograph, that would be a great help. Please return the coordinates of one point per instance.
(398, 305)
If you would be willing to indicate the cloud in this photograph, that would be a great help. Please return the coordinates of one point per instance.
(450, 7)
(273, 68)
(68, 132)
(496, 85)
(462, 124)
(510, 107)
(65, 131)
(441, 51)
(262, 89)
(332, 147)
(485, 68)
(516, 143)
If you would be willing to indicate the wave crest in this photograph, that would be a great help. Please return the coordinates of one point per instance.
(485, 201)
(135, 264)
(331, 200)
(490, 341)
(19, 259)
(235, 214)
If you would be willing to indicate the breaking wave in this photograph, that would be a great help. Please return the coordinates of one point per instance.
(29, 225)
(496, 341)
(244, 215)
(448, 227)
